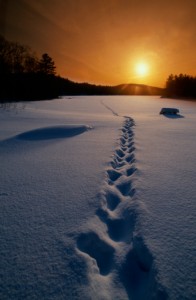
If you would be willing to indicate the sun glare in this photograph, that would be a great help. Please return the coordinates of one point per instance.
(141, 69)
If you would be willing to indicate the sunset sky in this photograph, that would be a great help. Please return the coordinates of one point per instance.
(107, 41)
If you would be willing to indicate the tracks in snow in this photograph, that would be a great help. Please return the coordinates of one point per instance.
(120, 252)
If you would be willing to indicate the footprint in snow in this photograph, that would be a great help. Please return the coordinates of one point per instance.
(98, 249)
(136, 270)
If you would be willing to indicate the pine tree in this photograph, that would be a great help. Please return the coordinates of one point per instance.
(47, 65)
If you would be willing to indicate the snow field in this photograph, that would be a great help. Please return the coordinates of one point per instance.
(77, 225)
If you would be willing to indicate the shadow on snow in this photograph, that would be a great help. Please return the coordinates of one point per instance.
(54, 132)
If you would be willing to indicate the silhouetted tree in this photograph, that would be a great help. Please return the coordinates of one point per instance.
(16, 58)
(31, 64)
(47, 65)
(4, 56)
(181, 86)
(24, 76)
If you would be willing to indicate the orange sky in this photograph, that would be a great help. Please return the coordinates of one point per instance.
(100, 41)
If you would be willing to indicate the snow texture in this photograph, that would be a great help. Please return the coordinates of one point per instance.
(98, 199)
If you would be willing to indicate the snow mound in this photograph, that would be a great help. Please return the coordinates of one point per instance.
(54, 132)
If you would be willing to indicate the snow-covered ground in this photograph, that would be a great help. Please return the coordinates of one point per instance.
(97, 199)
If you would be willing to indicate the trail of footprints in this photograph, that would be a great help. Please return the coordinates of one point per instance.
(135, 269)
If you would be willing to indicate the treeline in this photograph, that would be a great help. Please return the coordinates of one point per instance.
(19, 59)
(181, 86)
(24, 76)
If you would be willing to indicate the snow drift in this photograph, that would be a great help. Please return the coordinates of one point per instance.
(53, 132)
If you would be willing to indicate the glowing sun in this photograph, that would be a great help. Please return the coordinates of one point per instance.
(141, 69)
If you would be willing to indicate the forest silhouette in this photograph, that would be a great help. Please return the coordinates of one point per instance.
(181, 85)
(24, 76)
